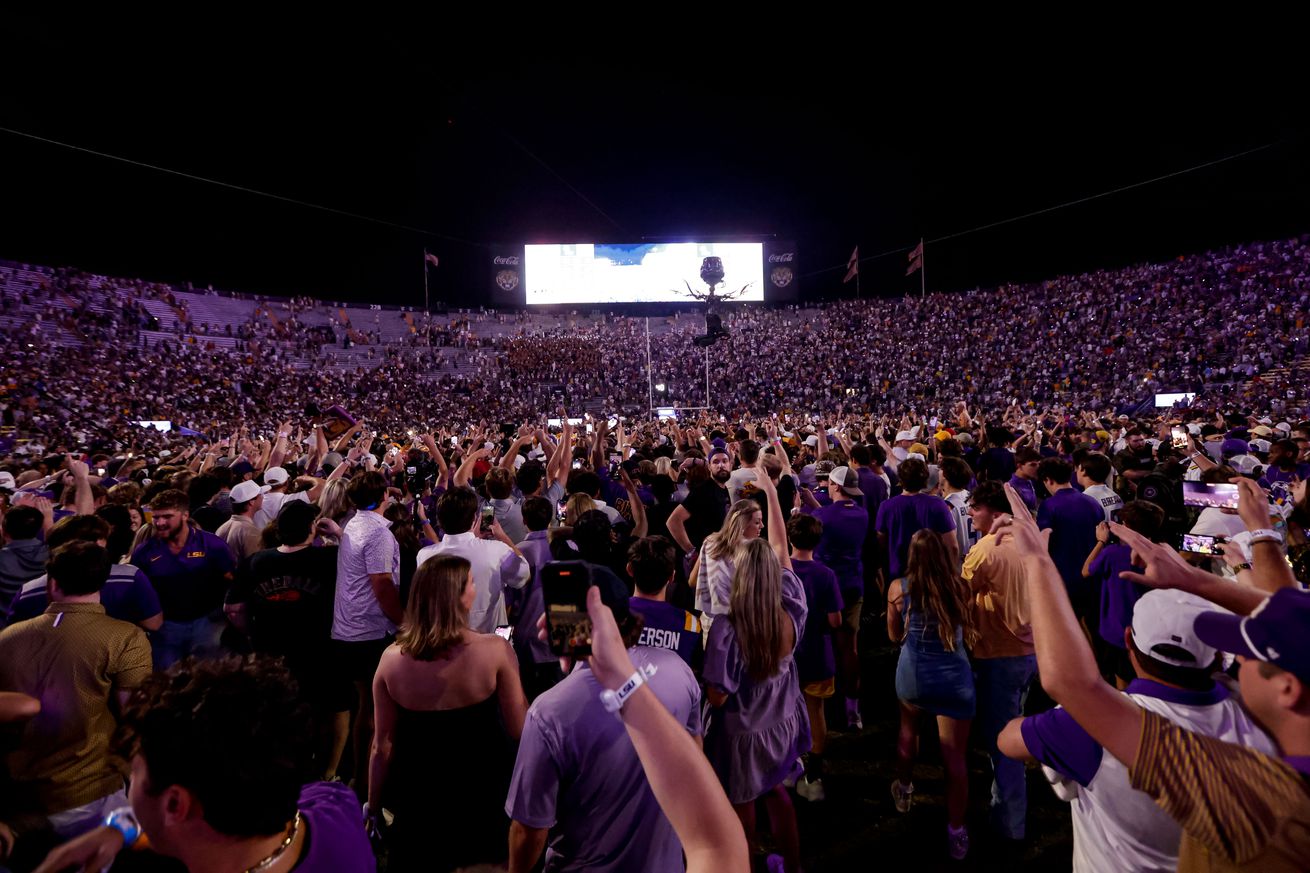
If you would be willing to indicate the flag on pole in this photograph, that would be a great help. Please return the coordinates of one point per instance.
(916, 259)
(430, 258)
(852, 266)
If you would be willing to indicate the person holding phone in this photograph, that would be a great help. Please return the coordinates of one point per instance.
(1105, 565)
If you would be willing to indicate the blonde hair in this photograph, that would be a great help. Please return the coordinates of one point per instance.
(664, 467)
(333, 500)
(757, 614)
(937, 588)
(577, 506)
(723, 543)
(435, 618)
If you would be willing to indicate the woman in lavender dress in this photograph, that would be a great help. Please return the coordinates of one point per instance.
(758, 727)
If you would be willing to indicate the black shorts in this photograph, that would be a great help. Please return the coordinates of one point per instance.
(358, 661)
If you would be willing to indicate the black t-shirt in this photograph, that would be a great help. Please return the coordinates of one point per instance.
(996, 465)
(210, 517)
(289, 598)
(708, 507)
(786, 498)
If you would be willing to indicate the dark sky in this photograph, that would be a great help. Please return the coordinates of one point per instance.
(503, 131)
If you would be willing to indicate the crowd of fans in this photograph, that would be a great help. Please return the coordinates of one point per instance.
(262, 639)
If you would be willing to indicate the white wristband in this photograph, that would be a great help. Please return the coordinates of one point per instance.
(613, 700)
(1266, 535)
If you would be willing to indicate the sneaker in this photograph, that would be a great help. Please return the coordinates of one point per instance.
(902, 795)
(957, 842)
(853, 720)
(811, 791)
(796, 773)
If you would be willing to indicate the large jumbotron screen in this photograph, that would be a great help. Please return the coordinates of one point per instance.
(637, 273)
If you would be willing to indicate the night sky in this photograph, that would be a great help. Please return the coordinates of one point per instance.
(511, 133)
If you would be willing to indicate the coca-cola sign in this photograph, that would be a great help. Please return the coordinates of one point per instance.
(502, 261)
(782, 258)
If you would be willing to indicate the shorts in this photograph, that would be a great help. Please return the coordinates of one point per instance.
(821, 689)
(357, 661)
(850, 614)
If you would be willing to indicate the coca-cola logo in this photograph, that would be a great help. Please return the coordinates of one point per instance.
(781, 276)
(782, 258)
(502, 261)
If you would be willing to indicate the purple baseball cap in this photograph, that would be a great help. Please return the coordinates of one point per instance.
(1234, 447)
(1274, 632)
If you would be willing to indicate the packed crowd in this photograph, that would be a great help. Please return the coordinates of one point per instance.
(257, 640)
(283, 644)
(1213, 324)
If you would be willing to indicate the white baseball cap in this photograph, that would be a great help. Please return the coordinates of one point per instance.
(1166, 617)
(248, 490)
(847, 479)
(905, 435)
(7, 480)
(275, 476)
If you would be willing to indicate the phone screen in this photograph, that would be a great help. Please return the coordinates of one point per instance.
(505, 632)
(1179, 437)
(1221, 495)
(564, 587)
(488, 517)
(1199, 544)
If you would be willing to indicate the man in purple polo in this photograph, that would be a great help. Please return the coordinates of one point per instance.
(904, 515)
(191, 571)
(652, 565)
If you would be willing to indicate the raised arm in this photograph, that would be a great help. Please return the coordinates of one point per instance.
(639, 524)
(777, 523)
(679, 774)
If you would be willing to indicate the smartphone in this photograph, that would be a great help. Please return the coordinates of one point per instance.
(100, 471)
(564, 587)
(577, 463)
(1200, 544)
(560, 516)
(505, 632)
(1221, 495)
(488, 518)
(1179, 437)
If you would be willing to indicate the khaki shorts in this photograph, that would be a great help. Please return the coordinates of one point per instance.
(822, 689)
(850, 615)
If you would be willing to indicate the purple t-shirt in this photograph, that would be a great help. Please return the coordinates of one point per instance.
(526, 604)
(1072, 518)
(669, 627)
(845, 526)
(1118, 596)
(814, 659)
(903, 516)
(576, 768)
(1027, 490)
(1059, 742)
(127, 595)
(1275, 474)
(337, 841)
(875, 490)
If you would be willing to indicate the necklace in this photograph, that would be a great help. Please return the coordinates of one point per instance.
(280, 850)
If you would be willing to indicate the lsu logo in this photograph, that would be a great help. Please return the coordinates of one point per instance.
(195, 554)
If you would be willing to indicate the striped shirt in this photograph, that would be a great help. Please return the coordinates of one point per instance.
(1239, 809)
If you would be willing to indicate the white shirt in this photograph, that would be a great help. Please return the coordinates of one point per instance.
(273, 503)
(1214, 522)
(965, 534)
(495, 567)
(738, 480)
(367, 547)
(1116, 827)
(1109, 500)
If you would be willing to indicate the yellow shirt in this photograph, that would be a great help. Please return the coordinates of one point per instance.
(994, 572)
